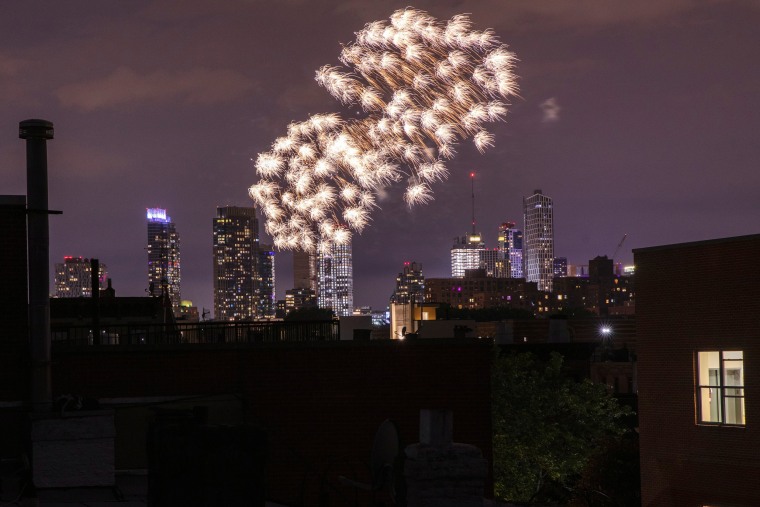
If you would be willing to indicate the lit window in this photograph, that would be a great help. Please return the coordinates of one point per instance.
(720, 390)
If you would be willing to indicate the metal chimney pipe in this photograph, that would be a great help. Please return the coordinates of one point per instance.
(95, 286)
(36, 133)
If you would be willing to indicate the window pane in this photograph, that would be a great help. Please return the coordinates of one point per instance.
(734, 410)
(710, 404)
(733, 373)
(709, 368)
(733, 354)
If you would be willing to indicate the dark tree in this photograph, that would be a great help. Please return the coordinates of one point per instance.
(547, 427)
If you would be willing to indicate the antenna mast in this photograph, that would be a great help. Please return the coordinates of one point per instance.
(472, 182)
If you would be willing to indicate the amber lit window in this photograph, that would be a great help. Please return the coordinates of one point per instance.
(720, 390)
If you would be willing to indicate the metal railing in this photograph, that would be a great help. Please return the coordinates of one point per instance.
(196, 333)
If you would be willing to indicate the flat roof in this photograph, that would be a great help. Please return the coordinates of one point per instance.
(734, 239)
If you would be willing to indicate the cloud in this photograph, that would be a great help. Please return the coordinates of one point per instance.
(125, 86)
(9, 66)
(533, 14)
(551, 109)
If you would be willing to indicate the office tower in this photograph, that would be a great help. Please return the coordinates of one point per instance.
(560, 266)
(163, 257)
(410, 285)
(335, 279)
(511, 249)
(466, 254)
(538, 240)
(243, 267)
(73, 277)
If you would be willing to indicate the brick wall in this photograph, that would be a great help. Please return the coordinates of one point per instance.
(697, 296)
(320, 403)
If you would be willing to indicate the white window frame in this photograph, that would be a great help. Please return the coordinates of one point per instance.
(715, 384)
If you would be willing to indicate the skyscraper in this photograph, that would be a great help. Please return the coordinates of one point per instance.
(265, 282)
(163, 257)
(466, 254)
(511, 249)
(305, 270)
(335, 279)
(73, 278)
(410, 284)
(538, 253)
(243, 267)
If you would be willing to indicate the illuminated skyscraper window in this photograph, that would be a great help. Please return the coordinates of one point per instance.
(335, 280)
(538, 252)
(163, 257)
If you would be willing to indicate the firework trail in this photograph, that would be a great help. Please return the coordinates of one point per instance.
(424, 86)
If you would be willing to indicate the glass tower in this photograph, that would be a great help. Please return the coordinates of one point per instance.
(163, 257)
(538, 240)
(335, 279)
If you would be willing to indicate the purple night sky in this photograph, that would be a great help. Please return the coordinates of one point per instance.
(637, 118)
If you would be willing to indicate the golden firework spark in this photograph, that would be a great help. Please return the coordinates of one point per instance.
(424, 86)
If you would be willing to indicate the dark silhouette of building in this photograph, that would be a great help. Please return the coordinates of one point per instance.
(698, 352)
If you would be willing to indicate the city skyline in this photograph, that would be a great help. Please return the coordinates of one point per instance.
(637, 120)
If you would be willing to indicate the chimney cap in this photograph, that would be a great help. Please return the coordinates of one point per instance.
(35, 129)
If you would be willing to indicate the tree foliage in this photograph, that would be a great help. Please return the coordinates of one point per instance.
(547, 427)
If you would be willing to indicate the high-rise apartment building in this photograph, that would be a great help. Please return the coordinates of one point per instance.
(335, 279)
(538, 240)
(266, 305)
(305, 270)
(243, 267)
(163, 257)
(410, 285)
(236, 238)
(560, 266)
(511, 249)
(73, 277)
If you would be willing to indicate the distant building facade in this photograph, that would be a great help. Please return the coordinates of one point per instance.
(477, 291)
(163, 257)
(560, 266)
(538, 240)
(466, 254)
(243, 268)
(265, 282)
(335, 279)
(410, 284)
(511, 249)
(73, 277)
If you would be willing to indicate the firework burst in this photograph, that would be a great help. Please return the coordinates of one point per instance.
(424, 86)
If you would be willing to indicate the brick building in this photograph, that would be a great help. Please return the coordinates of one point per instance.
(699, 408)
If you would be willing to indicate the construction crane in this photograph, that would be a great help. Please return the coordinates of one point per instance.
(619, 245)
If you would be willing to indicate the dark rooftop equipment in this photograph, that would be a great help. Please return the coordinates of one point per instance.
(36, 133)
